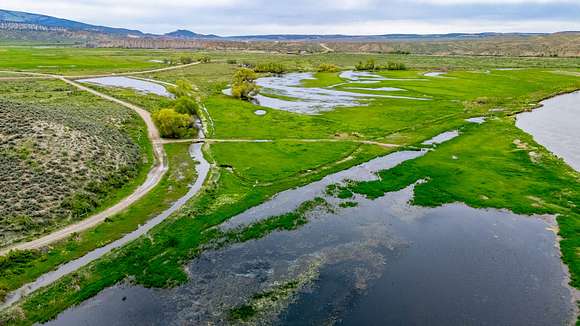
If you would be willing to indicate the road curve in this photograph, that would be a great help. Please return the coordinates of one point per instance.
(154, 176)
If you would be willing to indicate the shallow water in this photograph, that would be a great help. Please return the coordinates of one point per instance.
(126, 82)
(434, 74)
(285, 92)
(478, 120)
(556, 126)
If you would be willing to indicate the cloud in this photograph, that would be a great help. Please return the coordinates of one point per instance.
(237, 17)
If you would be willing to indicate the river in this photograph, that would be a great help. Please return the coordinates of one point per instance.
(556, 126)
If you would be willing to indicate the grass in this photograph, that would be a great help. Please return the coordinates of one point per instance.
(22, 267)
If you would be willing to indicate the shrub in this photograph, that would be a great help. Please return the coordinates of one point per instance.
(371, 65)
(244, 84)
(327, 67)
(368, 65)
(172, 124)
(232, 61)
(182, 88)
(271, 67)
(185, 60)
(186, 105)
(204, 59)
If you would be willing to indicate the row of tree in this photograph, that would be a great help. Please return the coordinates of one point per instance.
(372, 65)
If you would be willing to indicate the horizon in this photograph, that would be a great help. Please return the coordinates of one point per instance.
(343, 17)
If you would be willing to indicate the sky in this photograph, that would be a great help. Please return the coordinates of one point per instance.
(355, 17)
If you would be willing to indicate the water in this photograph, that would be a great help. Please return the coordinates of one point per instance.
(443, 137)
(434, 74)
(260, 112)
(287, 94)
(478, 120)
(556, 126)
(126, 82)
(382, 263)
(364, 77)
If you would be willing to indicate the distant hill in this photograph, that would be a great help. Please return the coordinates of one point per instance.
(9, 16)
(183, 33)
(21, 26)
(29, 19)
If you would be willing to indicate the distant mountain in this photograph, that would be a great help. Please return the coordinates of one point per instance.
(12, 22)
(183, 33)
(384, 37)
(48, 21)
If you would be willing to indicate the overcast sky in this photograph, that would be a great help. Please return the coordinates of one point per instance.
(243, 17)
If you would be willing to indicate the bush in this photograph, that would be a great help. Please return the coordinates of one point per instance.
(232, 61)
(204, 59)
(244, 84)
(271, 67)
(186, 105)
(185, 60)
(327, 67)
(172, 124)
(368, 65)
(182, 88)
(396, 66)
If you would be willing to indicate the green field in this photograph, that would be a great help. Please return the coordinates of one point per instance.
(247, 174)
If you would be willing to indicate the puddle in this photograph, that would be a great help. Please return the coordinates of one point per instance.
(556, 126)
(379, 89)
(478, 120)
(441, 138)
(434, 74)
(126, 82)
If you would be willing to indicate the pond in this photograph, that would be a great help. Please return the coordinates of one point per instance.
(127, 82)
(556, 126)
(362, 262)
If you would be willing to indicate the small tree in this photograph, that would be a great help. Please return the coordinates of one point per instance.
(244, 84)
(172, 124)
(181, 88)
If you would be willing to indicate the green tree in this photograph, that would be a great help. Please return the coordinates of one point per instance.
(181, 88)
(244, 84)
(186, 105)
(172, 124)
